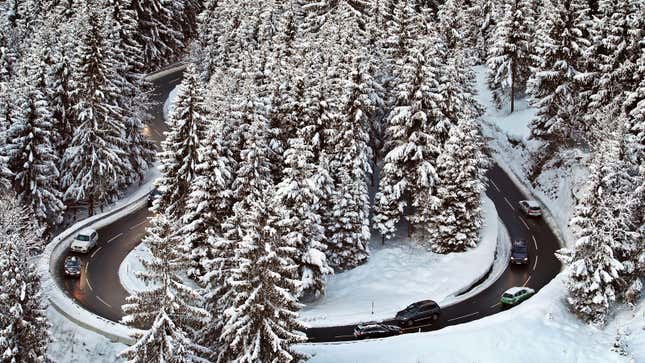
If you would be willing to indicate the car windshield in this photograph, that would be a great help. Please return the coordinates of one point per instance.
(506, 294)
(534, 208)
(518, 247)
(83, 237)
(71, 263)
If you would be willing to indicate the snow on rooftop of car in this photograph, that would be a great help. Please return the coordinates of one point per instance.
(533, 204)
(515, 289)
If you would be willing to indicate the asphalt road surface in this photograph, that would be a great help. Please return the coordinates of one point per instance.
(100, 291)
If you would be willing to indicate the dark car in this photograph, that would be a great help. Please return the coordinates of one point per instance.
(520, 253)
(375, 330)
(72, 266)
(421, 310)
(154, 193)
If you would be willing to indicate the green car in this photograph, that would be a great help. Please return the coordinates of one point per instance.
(516, 295)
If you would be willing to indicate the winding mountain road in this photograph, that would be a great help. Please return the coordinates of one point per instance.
(100, 291)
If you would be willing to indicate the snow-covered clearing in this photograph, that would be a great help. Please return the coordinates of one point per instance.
(71, 343)
(539, 330)
(399, 273)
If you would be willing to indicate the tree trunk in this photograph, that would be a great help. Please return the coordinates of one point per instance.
(513, 88)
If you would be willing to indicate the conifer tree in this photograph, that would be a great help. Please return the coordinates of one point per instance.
(618, 41)
(299, 194)
(61, 87)
(457, 220)
(30, 145)
(209, 202)
(134, 88)
(24, 328)
(169, 313)
(509, 57)
(488, 17)
(163, 29)
(594, 270)
(555, 87)
(96, 160)
(179, 158)
(261, 323)
(402, 28)
(350, 232)
(408, 176)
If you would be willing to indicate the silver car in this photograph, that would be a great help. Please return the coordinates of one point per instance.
(84, 241)
(531, 208)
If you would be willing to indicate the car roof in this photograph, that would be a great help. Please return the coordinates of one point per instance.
(515, 289)
(532, 203)
(369, 325)
(87, 231)
(519, 242)
(72, 258)
(425, 302)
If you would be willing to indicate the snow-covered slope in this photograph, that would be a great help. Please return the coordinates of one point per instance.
(71, 343)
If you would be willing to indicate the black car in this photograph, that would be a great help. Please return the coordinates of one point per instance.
(72, 266)
(375, 330)
(154, 193)
(520, 253)
(422, 310)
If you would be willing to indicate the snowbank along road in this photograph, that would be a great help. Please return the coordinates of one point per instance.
(99, 289)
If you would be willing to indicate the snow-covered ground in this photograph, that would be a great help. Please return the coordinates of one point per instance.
(71, 343)
(169, 104)
(399, 273)
(540, 330)
(130, 265)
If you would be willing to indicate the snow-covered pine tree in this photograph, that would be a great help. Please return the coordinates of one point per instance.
(204, 47)
(509, 57)
(487, 20)
(594, 272)
(456, 87)
(30, 144)
(161, 30)
(457, 220)
(209, 201)
(24, 330)
(454, 26)
(169, 313)
(618, 35)
(135, 97)
(261, 322)
(635, 117)
(96, 160)
(179, 157)
(60, 86)
(555, 87)
(408, 176)
(403, 27)
(349, 233)
(299, 194)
